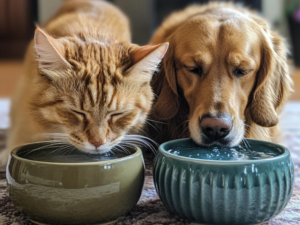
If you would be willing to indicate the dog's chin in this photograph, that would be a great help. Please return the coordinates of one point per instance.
(225, 142)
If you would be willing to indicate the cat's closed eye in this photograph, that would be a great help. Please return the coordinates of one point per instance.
(116, 115)
(79, 113)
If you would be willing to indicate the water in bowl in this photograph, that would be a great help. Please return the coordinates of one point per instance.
(241, 152)
(52, 154)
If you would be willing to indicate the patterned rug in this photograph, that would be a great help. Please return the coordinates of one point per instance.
(150, 209)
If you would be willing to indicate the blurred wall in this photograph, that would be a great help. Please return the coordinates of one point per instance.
(140, 13)
(46, 9)
(145, 15)
(17, 19)
(273, 11)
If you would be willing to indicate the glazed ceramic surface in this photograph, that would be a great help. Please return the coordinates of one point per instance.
(224, 192)
(75, 193)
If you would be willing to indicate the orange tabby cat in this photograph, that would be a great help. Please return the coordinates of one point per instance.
(84, 82)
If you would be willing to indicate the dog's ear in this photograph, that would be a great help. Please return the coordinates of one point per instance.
(273, 83)
(167, 104)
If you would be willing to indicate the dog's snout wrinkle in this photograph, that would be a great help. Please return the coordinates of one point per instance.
(214, 127)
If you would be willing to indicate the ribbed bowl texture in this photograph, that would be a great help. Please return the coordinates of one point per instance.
(224, 192)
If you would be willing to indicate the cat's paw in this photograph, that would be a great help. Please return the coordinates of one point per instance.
(4, 155)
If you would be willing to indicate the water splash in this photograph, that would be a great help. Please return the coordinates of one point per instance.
(223, 153)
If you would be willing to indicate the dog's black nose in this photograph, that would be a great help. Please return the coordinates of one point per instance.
(216, 128)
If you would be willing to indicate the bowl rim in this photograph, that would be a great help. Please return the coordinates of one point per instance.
(14, 155)
(286, 153)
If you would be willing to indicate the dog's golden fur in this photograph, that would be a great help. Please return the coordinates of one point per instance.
(219, 41)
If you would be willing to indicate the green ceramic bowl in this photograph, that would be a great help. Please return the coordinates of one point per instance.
(224, 192)
(75, 193)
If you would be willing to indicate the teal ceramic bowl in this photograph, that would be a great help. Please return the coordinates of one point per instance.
(223, 192)
(74, 193)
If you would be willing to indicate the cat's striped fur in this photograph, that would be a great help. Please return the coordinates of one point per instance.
(84, 82)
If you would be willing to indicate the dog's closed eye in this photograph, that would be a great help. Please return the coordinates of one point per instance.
(239, 72)
(195, 70)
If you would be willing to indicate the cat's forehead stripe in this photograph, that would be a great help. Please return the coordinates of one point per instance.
(112, 103)
(92, 101)
(93, 90)
(109, 92)
(100, 65)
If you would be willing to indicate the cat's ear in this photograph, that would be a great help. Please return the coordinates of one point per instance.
(146, 60)
(50, 52)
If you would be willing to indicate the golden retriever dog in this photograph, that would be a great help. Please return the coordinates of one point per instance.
(224, 77)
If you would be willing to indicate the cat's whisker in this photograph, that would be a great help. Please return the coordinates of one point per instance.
(141, 130)
(115, 149)
(183, 132)
(49, 141)
(140, 142)
(46, 146)
(43, 147)
(66, 147)
(136, 140)
(131, 145)
(53, 135)
(51, 152)
(122, 149)
(152, 126)
(184, 122)
(155, 121)
(121, 145)
(140, 137)
(128, 145)
(66, 150)
(69, 151)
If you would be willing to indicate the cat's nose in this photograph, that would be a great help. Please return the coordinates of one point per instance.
(97, 143)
